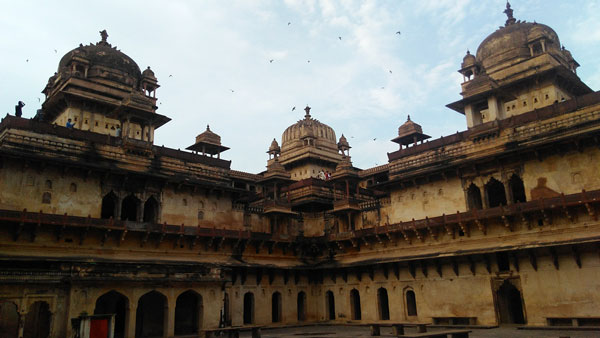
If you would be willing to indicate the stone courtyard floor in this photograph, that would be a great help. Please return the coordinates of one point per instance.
(330, 331)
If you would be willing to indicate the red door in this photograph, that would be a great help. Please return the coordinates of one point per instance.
(99, 328)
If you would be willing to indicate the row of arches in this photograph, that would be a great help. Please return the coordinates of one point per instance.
(496, 193)
(152, 311)
(130, 208)
(383, 305)
(35, 324)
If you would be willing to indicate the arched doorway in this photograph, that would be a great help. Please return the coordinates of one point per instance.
(151, 210)
(383, 305)
(411, 303)
(188, 313)
(494, 190)
(129, 208)
(355, 305)
(510, 304)
(109, 206)
(474, 197)
(330, 305)
(301, 305)
(9, 320)
(276, 307)
(517, 189)
(114, 303)
(151, 315)
(248, 308)
(37, 321)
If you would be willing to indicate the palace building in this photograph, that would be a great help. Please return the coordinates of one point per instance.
(497, 224)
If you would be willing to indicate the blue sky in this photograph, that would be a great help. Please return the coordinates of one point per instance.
(202, 50)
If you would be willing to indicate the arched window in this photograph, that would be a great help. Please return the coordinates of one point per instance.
(301, 306)
(188, 313)
(114, 303)
(151, 210)
(276, 307)
(517, 189)
(151, 315)
(474, 197)
(129, 208)
(9, 320)
(355, 305)
(495, 193)
(46, 198)
(383, 307)
(109, 206)
(411, 303)
(248, 308)
(330, 302)
(37, 321)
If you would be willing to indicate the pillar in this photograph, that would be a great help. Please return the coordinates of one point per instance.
(169, 326)
(130, 319)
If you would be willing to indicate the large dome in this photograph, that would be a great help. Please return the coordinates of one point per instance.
(104, 55)
(323, 134)
(512, 43)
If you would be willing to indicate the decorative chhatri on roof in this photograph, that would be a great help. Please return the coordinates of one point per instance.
(208, 143)
(410, 133)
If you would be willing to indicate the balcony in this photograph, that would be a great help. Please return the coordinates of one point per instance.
(277, 207)
(346, 204)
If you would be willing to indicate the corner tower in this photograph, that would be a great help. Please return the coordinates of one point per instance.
(102, 90)
(518, 68)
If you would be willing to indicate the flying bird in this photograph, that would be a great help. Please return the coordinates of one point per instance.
(375, 139)
(398, 32)
(390, 71)
(339, 37)
(271, 61)
(39, 100)
(170, 75)
(294, 108)
(289, 23)
(231, 90)
(27, 60)
(55, 51)
(308, 61)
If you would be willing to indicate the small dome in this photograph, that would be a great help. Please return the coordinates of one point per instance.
(409, 128)
(468, 60)
(274, 148)
(343, 143)
(104, 55)
(209, 137)
(148, 73)
(308, 127)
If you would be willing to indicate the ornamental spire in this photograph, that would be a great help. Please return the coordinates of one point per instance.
(307, 110)
(509, 13)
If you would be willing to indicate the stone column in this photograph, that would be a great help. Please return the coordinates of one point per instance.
(130, 320)
(169, 327)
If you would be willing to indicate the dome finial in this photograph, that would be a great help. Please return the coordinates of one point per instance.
(307, 110)
(408, 119)
(103, 35)
(207, 127)
(509, 13)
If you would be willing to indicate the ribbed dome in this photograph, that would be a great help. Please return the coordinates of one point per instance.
(511, 43)
(308, 127)
(468, 60)
(103, 54)
(209, 137)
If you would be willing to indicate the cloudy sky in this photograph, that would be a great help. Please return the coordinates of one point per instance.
(343, 58)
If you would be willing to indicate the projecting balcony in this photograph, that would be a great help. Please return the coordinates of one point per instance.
(277, 207)
(346, 204)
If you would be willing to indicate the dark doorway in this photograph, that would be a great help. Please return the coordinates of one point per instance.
(276, 307)
(355, 305)
(248, 308)
(109, 206)
(151, 210)
(383, 305)
(150, 316)
(517, 189)
(510, 304)
(474, 197)
(301, 306)
(117, 304)
(129, 208)
(411, 303)
(330, 301)
(188, 313)
(37, 321)
(226, 310)
(495, 193)
(9, 320)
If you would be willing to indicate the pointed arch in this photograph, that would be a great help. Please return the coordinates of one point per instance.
(355, 310)
(411, 302)
(330, 305)
(109, 206)
(151, 315)
(188, 313)
(129, 208)
(474, 197)
(276, 307)
(9, 319)
(383, 305)
(248, 308)
(495, 193)
(151, 210)
(517, 189)
(115, 303)
(301, 306)
(37, 321)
